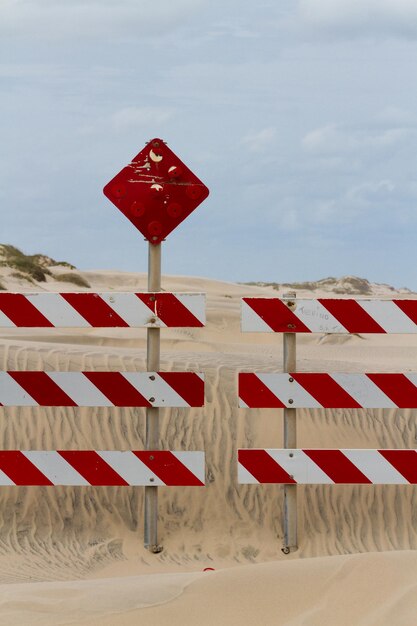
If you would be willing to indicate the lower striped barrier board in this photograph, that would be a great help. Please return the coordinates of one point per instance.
(102, 468)
(328, 391)
(127, 389)
(327, 467)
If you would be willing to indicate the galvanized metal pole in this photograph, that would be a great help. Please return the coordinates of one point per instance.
(290, 439)
(152, 414)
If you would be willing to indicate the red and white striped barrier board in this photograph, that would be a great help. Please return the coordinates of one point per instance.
(149, 389)
(329, 315)
(100, 310)
(102, 468)
(329, 391)
(328, 467)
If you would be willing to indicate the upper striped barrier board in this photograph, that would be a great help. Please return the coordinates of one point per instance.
(102, 468)
(327, 467)
(123, 389)
(102, 310)
(330, 391)
(328, 315)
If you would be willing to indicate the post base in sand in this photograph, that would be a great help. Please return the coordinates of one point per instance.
(155, 549)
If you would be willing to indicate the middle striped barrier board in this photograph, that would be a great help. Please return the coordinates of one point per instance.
(102, 310)
(102, 468)
(327, 467)
(122, 389)
(330, 391)
(328, 315)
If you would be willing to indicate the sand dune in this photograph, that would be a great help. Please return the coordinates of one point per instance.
(376, 589)
(49, 536)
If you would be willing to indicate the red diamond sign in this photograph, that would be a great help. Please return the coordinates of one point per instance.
(156, 192)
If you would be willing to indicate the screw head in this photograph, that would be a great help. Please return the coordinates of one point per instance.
(291, 454)
(290, 401)
(193, 191)
(291, 380)
(152, 377)
(118, 190)
(151, 480)
(137, 209)
(174, 209)
(152, 399)
(155, 228)
(174, 171)
(151, 457)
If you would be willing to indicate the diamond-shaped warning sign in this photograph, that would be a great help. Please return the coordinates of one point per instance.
(156, 191)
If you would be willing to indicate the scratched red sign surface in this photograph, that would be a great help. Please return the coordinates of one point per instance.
(156, 191)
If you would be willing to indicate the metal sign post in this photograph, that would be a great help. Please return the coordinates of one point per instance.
(290, 438)
(152, 413)
(156, 192)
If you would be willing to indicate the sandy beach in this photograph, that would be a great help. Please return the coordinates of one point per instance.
(75, 555)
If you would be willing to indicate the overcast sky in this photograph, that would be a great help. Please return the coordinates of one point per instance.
(299, 115)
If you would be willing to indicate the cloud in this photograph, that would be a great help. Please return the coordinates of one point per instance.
(364, 199)
(337, 140)
(260, 140)
(397, 116)
(360, 18)
(129, 118)
(385, 206)
(231, 29)
(386, 198)
(53, 19)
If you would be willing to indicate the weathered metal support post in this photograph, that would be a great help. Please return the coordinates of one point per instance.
(290, 439)
(156, 192)
(152, 414)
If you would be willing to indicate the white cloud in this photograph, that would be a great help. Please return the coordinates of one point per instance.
(333, 139)
(56, 18)
(352, 18)
(324, 139)
(369, 202)
(369, 195)
(260, 140)
(25, 71)
(130, 118)
(232, 28)
(396, 116)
